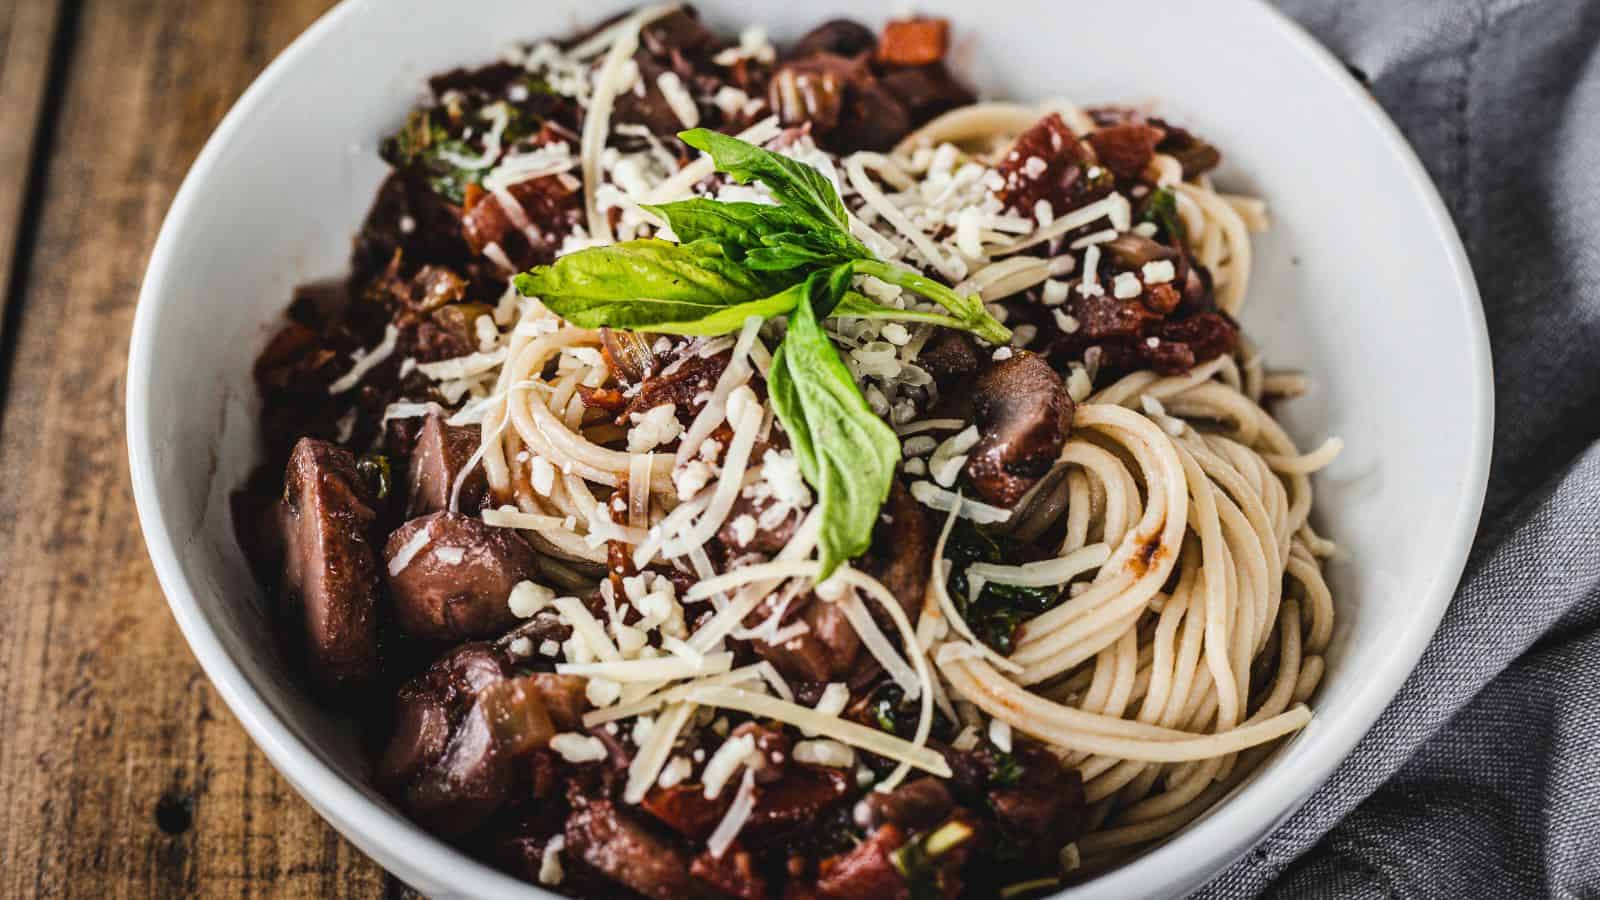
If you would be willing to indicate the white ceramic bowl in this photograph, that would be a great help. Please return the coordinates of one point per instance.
(1362, 283)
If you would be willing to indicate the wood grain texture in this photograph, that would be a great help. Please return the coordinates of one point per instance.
(123, 773)
(28, 30)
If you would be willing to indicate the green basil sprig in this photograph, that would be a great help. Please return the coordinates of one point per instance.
(796, 258)
(776, 247)
(846, 453)
(799, 188)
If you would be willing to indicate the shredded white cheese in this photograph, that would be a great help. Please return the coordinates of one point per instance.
(824, 753)
(744, 803)
(1045, 572)
(877, 643)
(586, 630)
(409, 550)
(463, 366)
(859, 736)
(647, 763)
(578, 748)
(654, 427)
(550, 871)
(601, 691)
(653, 670)
(677, 97)
(725, 762)
(1159, 271)
(366, 361)
(1000, 735)
(677, 771)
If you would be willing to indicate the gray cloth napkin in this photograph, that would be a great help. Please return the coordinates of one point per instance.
(1482, 779)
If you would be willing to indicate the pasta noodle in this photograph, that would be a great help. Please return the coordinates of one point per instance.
(1174, 661)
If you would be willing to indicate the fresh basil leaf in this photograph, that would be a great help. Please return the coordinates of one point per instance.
(793, 250)
(766, 238)
(786, 257)
(825, 291)
(858, 306)
(846, 453)
(969, 310)
(797, 186)
(737, 225)
(652, 285)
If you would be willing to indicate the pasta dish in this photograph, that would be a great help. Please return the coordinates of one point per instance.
(740, 470)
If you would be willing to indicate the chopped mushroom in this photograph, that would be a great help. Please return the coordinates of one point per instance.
(1130, 252)
(902, 548)
(608, 840)
(843, 37)
(1126, 148)
(440, 454)
(563, 696)
(551, 203)
(826, 650)
(949, 354)
(680, 33)
(1023, 415)
(845, 106)
(627, 355)
(918, 804)
(449, 576)
(927, 91)
(459, 728)
(330, 577)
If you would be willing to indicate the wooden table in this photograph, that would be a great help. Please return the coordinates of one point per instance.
(122, 772)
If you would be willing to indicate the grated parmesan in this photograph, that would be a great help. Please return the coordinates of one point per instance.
(744, 803)
(409, 550)
(578, 748)
(824, 753)
(366, 360)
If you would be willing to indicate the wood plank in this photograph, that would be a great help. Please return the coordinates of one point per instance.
(123, 772)
(27, 43)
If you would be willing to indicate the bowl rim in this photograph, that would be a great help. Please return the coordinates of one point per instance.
(417, 857)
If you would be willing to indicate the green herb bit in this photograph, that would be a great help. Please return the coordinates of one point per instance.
(426, 146)
(1007, 770)
(999, 608)
(888, 708)
(375, 471)
(917, 860)
(1162, 210)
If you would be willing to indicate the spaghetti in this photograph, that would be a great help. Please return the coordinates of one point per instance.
(1151, 690)
(1089, 562)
